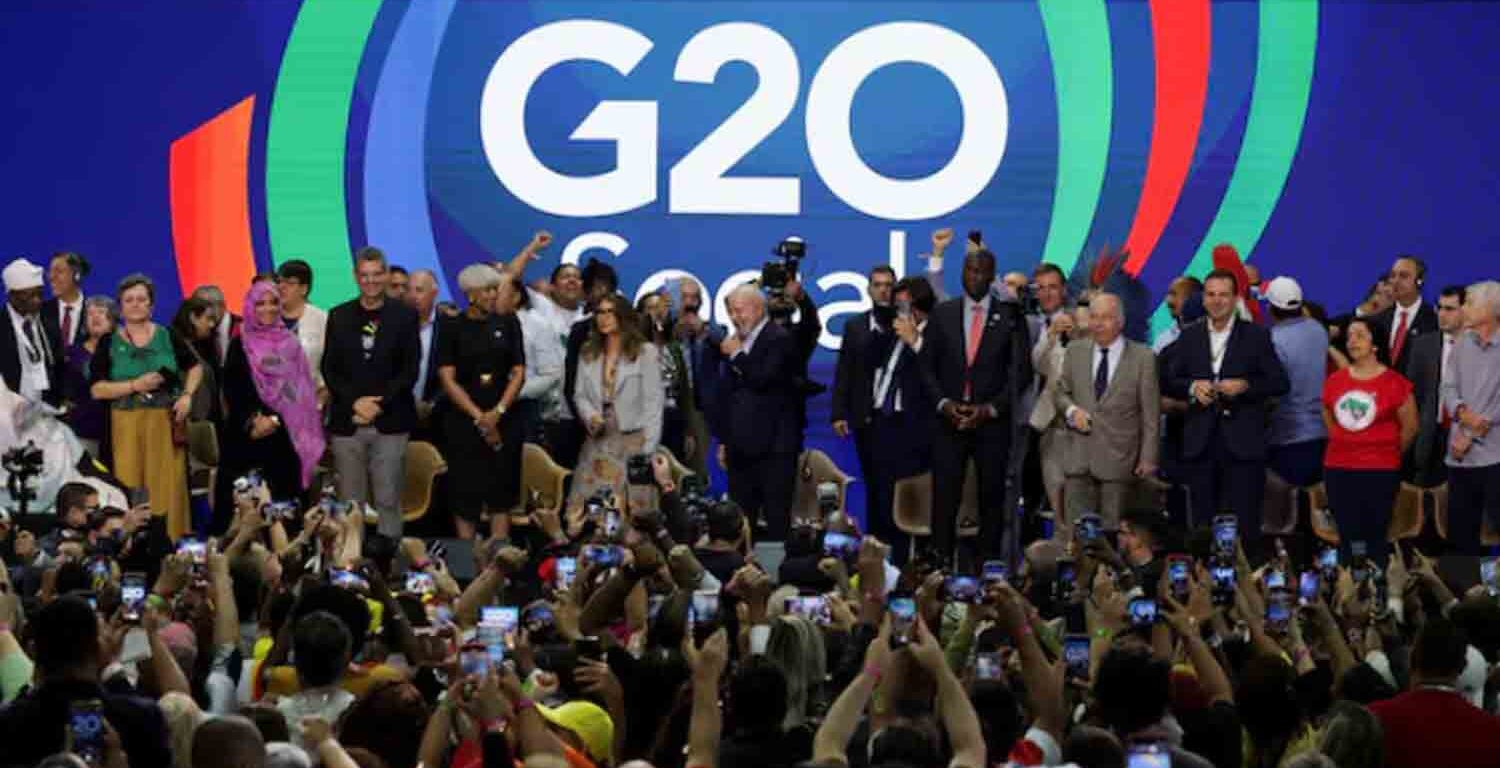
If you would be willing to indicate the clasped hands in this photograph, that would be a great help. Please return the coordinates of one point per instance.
(1205, 391)
(966, 416)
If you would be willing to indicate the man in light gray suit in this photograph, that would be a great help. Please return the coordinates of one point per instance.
(1109, 397)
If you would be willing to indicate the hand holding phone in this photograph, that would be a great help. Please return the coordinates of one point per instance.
(903, 608)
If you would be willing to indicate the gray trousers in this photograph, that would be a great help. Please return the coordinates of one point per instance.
(371, 469)
(1105, 498)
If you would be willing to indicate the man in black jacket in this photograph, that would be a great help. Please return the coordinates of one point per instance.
(31, 354)
(1228, 372)
(977, 362)
(370, 362)
(758, 410)
(69, 694)
(865, 337)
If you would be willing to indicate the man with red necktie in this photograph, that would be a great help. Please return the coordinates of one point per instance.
(1410, 316)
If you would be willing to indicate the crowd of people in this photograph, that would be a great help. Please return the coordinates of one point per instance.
(1123, 587)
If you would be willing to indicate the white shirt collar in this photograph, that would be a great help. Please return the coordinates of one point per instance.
(1410, 310)
(1115, 347)
(1228, 328)
(755, 333)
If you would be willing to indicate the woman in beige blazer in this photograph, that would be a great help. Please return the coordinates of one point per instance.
(619, 400)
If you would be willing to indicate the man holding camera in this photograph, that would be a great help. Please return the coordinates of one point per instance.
(759, 410)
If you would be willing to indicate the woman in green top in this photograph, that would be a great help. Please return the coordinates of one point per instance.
(148, 375)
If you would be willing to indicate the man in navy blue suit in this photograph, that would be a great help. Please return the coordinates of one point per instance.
(902, 417)
(758, 410)
(977, 366)
(1227, 370)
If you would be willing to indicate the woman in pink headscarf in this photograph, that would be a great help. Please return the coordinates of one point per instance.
(272, 425)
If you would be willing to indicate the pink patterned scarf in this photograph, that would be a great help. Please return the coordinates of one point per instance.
(284, 379)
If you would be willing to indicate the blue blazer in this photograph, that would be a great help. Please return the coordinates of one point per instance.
(1241, 425)
(757, 403)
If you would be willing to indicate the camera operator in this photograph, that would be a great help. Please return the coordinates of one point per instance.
(785, 299)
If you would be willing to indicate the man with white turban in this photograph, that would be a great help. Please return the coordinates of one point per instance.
(31, 352)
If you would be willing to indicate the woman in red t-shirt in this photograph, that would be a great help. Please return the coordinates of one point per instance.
(1371, 419)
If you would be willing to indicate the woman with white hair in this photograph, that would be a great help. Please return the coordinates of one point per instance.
(481, 362)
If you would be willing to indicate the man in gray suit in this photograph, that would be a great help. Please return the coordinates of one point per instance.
(1425, 366)
(1108, 395)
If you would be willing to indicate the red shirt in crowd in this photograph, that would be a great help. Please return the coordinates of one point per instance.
(1365, 433)
(1428, 728)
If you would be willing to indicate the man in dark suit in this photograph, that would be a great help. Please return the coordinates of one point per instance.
(866, 336)
(31, 354)
(1409, 317)
(977, 367)
(1425, 365)
(1227, 370)
(903, 418)
(64, 311)
(757, 411)
(370, 361)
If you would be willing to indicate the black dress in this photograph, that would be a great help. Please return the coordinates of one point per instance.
(273, 455)
(482, 353)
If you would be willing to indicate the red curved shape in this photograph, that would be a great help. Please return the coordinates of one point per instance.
(209, 178)
(1181, 33)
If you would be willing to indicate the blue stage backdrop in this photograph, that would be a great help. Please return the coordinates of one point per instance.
(203, 142)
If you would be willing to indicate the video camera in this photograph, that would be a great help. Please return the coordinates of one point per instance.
(21, 464)
(775, 274)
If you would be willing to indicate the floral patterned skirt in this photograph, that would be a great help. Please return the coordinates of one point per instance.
(601, 464)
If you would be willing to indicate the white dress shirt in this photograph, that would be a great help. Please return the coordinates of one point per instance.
(545, 360)
(221, 336)
(886, 374)
(33, 352)
(1448, 342)
(1218, 343)
(77, 318)
(311, 329)
(1116, 349)
(425, 361)
(1410, 313)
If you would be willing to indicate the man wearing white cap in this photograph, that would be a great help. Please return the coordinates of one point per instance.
(31, 355)
(1298, 436)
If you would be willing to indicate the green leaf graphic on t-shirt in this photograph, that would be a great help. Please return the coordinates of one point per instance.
(1356, 407)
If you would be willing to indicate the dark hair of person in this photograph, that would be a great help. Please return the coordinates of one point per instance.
(248, 584)
(230, 741)
(73, 577)
(758, 698)
(321, 646)
(1316, 311)
(76, 262)
(1284, 314)
(725, 521)
(370, 253)
(66, 634)
(1377, 339)
(1462, 292)
(397, 269)
(348, 607)
(298, 270)
(1363, 685)
(1132, 689)
(920, 292)
(388, 720)
(1480, 621)
(132, 280)
(1094, 748)
(631, 338)
(596, 272)
(1440, 651)
(999, 715)
(648, 326)
(1048, 268)
(72, 495)
(1416, 261)
(883, 269)
(560, 268)
(1270, 710)
(182, 321)
(269, 721)
(1150, 522)
(1224, 274)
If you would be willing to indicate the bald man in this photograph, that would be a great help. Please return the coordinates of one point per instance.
(757, 411)
(1109, 397)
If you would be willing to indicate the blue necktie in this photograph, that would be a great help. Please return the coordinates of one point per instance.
(1101, 376)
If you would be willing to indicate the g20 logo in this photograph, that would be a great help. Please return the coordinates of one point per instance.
(699, 183)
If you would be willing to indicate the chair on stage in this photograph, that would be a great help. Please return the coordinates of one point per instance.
(542, 478)
(911, 507)
(423, 465)
(203, 459)
(814, 467)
